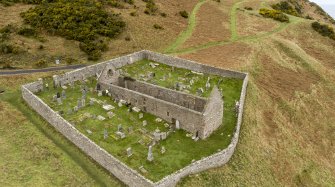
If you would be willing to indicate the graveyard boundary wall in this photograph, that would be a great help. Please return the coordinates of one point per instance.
(117, 168)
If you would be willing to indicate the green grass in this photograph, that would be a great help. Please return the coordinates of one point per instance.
(180, 150)
(37, 155)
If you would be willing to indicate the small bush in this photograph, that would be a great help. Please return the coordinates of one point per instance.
(6, 48)
(41, 63)
(150, 7)
(69, 60)
(274, 14)
(163, 15)
(183, 14)
(287, 8)
(156, 26)
(127, 38)
(133, 13)
(324, 30)
(41, 47)
(27, 31)
(248, 8)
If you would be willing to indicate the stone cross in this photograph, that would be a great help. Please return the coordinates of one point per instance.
(129, 152)
(150, 156)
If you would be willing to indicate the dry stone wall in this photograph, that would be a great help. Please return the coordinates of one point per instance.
(119, 169)
(124, 173)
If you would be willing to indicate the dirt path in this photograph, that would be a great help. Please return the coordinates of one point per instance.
(185, 35)
(173, 49)
(28, 71)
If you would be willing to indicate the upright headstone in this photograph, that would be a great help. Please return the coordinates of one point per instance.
(75, 109)
(79, 104)
(129, 152)
(69, 112)
(140, 115)
(145, 123)
(208, 84)
(105, 134)
(91, 102)
(59, 101)
(83, 102)
(163, 150)
(150, 156)
(119, 128)
(63, 94)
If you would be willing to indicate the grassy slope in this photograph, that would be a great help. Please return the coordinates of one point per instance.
(287, 137)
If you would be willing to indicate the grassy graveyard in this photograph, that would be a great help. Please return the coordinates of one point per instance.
(180, 148)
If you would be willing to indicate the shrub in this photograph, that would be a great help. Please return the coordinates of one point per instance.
(324, 30)
(163, 14)
(27, 31)
(133, 13)
(41, 63)
(127, 38)
(248, 8)
(156, 26)
(286, 7)
(41, 47)
(274, 14)
(183, 14)
(150, 7)
(6, 48)
(69, 60)
(81, 20)
(93, 49)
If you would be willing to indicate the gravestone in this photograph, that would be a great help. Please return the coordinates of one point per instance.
(101, 118)
(89, 132)
(79, 103)
(163, 150)
(59, 101)
(54, 98)
(63, 94)
(119, 128)
(110, 114)
(145, 123)
(105, 134)
(150, 157)
(99, 93)
(75, 109)
(91, 102)
(208, 84)
(163, 135)
(47, 86)
(191, 82)
(58, 95)
(121, 134)
(141, 168)
(200, 91)
(140, 115)
(130, 129)
(129, 152)
(83, 102)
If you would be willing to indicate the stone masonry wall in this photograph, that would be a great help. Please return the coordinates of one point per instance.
(213, 113)
(190, 120)
(120, 170)
(176, 97)
(117, 168)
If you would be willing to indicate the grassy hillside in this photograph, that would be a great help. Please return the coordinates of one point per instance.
(287, 136)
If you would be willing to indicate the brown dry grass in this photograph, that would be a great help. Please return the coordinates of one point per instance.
(253, 24)
(11, 14)
(227, 56)
(212, 24)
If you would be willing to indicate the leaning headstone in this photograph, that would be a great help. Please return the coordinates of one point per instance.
(150, 156)
(142, 169)
(121, 134)
(129, 152)
(88, 131)
(145, 123)
(140, 115)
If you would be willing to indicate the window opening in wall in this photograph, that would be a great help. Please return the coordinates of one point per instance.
(168, 113)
